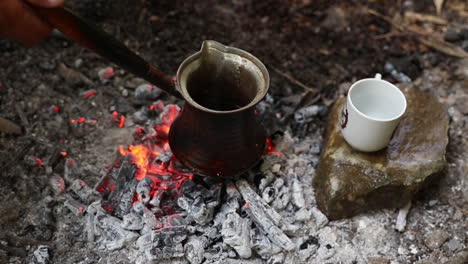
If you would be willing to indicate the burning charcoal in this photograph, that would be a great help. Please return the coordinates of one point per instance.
(269, 194)
(307, 248)
(58, 184)
(115, 236)
(297, 193)
(147, 92)
(307, 114)
(236, 233)
(230, 206)
(132, 222)
(125, 187)
(156, 200)
(84, 192)
(164, 157)
(267, 219)
(41, 255)
(262, 245)
(143, 190)
(75, 207)
(302, 215)
(320, 218)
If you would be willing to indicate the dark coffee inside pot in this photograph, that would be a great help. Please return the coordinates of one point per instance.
(225, 88)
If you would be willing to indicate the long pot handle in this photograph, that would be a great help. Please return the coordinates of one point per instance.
(76, 29)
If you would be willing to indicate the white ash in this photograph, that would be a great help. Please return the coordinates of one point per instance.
(236, 233)
(41, 255)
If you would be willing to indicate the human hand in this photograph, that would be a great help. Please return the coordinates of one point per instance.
(18, 20)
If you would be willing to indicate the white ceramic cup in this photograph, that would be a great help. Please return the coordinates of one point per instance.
(372, 111)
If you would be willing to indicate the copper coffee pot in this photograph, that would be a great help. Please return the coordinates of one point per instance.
(217, 132)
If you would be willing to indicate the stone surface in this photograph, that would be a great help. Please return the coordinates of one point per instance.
(349, 182)
(436, 238)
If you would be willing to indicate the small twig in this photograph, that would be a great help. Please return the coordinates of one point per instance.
(293, 80)
(426, 39)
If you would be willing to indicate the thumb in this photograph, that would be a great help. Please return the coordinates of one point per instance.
(47, 3)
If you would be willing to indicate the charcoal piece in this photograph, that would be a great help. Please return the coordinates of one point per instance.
(199, 202)
(276, 259)
(307, 248)
(121, 198)
(230, 206)
(147, 92)
(302, 215)
(57, 184)
(114, 236)
(149, 219)
(83, 191)
(141, 116)
(266, 180)
(282, 198)
(320, 218)
(41, 255)
(71, 171)
(194, 249)
(236, 233)
(265, 218)
(90, 227)
(307, 114)
(297, 193)
(132, 221)
(156, 199)
(262, 245)
(143, 190)
(269, 194)
(75, 207)
(165, 157)
(163, 243)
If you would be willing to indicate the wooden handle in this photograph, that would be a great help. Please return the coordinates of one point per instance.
(76, 29)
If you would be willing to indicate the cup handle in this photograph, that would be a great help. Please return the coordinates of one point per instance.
(378, 76)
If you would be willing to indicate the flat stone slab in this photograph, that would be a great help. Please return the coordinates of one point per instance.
(349, 182)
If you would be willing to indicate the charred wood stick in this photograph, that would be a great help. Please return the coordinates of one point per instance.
(76, 29)
(266, 218)
(293, 80)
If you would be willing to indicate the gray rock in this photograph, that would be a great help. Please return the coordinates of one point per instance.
(349, 182)
(41, 255)
(435, 239)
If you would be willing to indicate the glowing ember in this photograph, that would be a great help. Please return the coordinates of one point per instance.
(122, 121)
(271, 149)
(79, 120)
(119, 119)
(1, 85)
(64, 154)
(255, 111)
(56, 109)
(167, 117)
(38, 162)
(149, 88)
(109, 73)
(89, 94)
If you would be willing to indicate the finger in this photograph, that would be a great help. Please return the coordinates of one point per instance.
(47, 3)
(18, 21)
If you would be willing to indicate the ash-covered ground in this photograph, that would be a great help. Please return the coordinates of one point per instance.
(307, 46)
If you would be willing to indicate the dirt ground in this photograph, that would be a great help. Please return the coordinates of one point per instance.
(320, 46)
